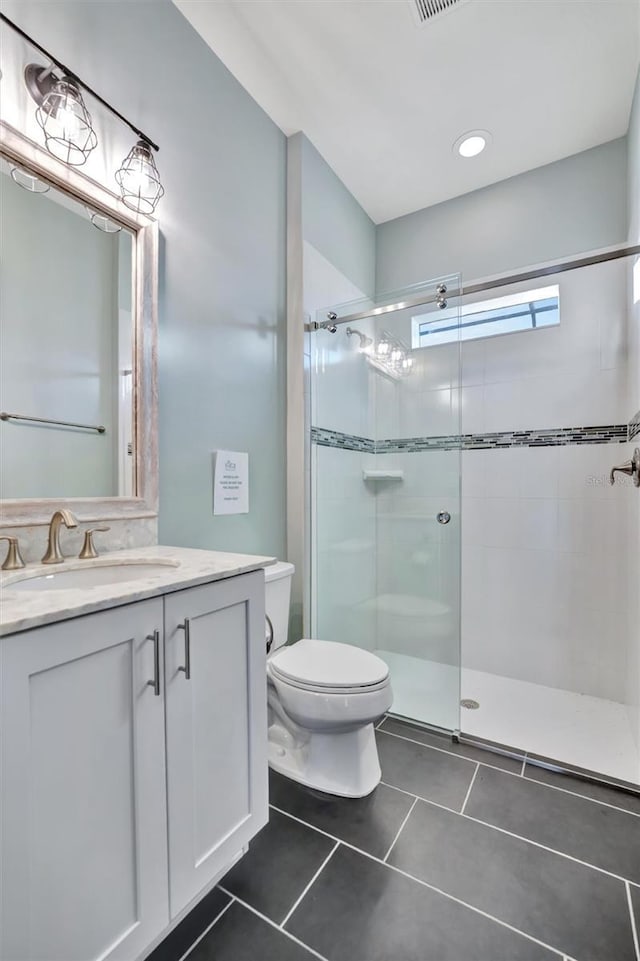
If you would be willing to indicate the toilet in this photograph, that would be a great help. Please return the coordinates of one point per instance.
(324, 698)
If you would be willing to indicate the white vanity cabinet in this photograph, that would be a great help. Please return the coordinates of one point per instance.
(122, 799)
(84, 866)
(217, 770)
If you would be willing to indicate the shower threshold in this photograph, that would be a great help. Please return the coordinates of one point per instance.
(576, 729)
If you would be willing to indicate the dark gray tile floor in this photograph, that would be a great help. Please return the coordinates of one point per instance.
(497, 759)
(584, 829)
(459, 855)
(370, 824)
(591, 789)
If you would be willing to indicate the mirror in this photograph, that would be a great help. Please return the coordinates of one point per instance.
(77, 344)
(65, 345)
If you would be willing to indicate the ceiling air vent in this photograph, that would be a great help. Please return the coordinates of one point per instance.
(424, 10)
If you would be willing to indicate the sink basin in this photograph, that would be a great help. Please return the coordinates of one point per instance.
(79, 577)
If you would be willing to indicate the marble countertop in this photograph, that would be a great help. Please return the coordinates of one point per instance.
(185, 567)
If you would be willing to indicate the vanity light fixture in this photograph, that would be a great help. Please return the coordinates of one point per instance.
(139, 180)
(472, 143)
(28, 181)
(65, 120)
(68, 129)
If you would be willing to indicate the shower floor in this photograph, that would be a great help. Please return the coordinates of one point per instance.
(578, 729)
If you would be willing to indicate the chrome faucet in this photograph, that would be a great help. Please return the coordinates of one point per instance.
(631, 468)
(53, 554)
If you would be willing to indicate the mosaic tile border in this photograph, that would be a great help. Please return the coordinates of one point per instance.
(556, 437)
(559, 437)
(335, 438)
(634, 426)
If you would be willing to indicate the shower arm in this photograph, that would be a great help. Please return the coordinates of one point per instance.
(364, 340)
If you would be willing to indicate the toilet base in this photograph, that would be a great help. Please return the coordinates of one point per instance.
(344, 764)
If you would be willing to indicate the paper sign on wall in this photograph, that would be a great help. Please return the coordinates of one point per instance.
(230, 482)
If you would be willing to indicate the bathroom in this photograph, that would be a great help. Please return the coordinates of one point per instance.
(301, 306)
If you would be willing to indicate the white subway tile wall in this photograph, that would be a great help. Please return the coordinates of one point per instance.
(549, 554)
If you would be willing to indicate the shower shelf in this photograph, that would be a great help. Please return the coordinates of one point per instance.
(383, 475)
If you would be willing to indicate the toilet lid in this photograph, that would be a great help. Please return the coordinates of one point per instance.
(328, 664)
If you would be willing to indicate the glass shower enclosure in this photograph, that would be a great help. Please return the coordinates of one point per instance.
(385, 545)
(513, 399)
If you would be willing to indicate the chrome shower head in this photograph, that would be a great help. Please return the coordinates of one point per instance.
(364, 340)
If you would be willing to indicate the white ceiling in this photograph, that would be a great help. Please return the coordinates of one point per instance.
(383, 99)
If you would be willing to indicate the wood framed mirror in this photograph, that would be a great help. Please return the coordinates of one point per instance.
(78, 395)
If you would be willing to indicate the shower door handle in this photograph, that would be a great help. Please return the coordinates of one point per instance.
(443, 517)
(631, 468)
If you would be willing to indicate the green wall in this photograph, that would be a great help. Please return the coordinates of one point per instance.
(222, 269)
(334, 222)
(555, 211)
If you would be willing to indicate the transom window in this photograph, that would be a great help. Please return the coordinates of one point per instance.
(528, 310)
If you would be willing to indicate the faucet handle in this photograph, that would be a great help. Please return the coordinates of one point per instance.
(13, 561)
(631, 468)
(88, 548)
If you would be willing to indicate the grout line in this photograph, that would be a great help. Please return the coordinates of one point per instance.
(511, 834)
(206, 930)
(462, 757)
(473, 779)
(634, 928)
(429, 747)
(273, 924)
(311, 882)
(418, 797)
(552, 787)
(404, 821)
(524, 764)
(424, 884)
(584, 797)
(521, 837)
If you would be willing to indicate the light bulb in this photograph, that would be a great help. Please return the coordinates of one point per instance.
(66, 123)
(139, 180)
(136, 180)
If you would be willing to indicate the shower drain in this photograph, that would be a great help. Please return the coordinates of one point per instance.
(469, 703)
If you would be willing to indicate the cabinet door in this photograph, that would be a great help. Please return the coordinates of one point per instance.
(216, 728)
(84, 865)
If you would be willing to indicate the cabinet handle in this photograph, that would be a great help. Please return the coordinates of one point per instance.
(187, 649)
(155, 683)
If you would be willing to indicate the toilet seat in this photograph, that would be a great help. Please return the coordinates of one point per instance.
(329, 667)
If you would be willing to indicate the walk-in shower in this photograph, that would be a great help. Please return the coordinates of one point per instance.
(462, 522)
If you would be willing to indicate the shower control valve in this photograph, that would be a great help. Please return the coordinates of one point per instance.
(631, 468)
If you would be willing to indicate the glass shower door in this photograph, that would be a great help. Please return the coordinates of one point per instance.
(386, 491)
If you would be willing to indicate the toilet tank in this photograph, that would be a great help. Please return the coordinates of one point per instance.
(277, 588)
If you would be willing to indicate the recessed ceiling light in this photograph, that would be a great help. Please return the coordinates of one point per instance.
(472, 143)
